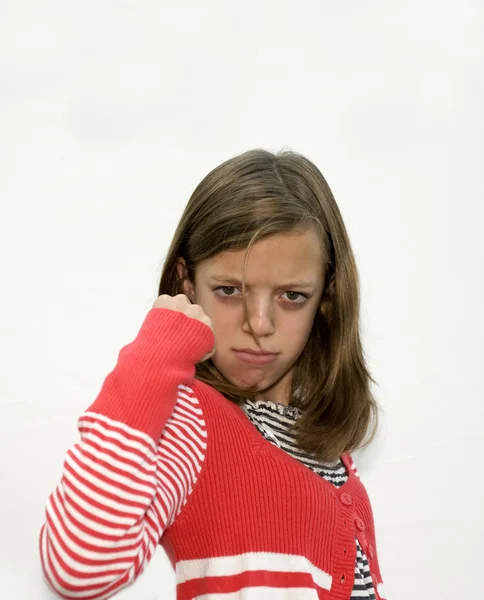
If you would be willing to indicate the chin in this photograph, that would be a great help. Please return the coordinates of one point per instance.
(245, 381)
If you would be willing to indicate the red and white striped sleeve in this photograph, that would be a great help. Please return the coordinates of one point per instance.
(141, 449)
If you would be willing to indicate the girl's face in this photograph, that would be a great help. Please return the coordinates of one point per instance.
(284, 284)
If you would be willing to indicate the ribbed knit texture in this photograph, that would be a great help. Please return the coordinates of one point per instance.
(275, 421)
(142, 390)
(164, 458)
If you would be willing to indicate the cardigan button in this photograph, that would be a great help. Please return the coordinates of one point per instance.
(360, 524)
(371, 552)
(346, 499)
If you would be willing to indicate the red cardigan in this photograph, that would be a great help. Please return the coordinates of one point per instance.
(166, 459)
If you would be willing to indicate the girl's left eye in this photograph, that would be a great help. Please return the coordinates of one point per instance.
(301, 300)
(302, 297)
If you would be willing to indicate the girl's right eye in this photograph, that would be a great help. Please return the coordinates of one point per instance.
(229, 287)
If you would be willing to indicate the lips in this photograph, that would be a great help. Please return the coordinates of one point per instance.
(255, 358)
(255, 352)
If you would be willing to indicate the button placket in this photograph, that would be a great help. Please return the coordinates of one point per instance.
(360, 534)
(363, 541)
(344, 562)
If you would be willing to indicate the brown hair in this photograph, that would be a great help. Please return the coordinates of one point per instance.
(248, 198)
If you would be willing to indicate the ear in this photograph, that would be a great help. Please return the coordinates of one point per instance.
(188, 286)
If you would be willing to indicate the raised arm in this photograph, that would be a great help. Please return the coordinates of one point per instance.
(120, 486)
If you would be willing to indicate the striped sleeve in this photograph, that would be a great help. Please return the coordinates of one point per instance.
(121, 486)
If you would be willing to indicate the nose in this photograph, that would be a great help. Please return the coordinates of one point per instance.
(260, 313)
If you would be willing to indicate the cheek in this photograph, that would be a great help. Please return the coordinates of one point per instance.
(300, 326)
(224, 325)
(297, 333)
(212, 308)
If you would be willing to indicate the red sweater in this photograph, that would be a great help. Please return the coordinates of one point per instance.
(166, 459)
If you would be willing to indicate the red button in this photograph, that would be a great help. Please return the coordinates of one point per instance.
(360, 524)
(370, 552)
(346, 499)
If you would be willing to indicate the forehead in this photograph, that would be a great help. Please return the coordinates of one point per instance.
(275, 259)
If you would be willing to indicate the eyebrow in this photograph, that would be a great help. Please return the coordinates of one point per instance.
(235, 282)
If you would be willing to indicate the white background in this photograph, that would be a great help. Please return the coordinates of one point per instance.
(112, 112)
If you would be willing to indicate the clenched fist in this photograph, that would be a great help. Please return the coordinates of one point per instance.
(182, 304)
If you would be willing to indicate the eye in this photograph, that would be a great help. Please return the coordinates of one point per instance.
(302, 297)
(228, 288)
(229, 292)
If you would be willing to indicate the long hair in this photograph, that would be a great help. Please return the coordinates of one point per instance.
(248, 198)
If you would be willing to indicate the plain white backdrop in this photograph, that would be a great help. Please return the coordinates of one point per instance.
(112, 112)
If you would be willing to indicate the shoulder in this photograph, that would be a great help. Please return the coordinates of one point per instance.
(201, 403)
(209, 398)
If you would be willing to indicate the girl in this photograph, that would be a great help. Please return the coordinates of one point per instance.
(224, 431)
